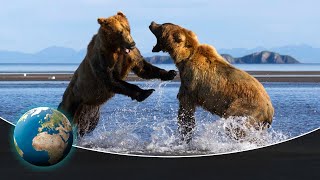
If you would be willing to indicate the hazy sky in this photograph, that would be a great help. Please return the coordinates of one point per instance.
(32, 25)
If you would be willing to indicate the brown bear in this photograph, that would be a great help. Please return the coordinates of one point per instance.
(209, 81)
(111, 55)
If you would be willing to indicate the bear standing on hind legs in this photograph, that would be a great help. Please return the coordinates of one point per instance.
(209, 81)
(111, 55)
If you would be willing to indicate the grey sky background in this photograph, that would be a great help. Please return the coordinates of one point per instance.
(32, 25)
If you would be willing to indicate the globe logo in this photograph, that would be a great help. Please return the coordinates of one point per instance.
(43, 136)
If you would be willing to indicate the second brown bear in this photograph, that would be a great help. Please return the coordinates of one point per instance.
(209, 81)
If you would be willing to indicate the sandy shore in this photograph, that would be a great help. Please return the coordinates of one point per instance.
(263, 76)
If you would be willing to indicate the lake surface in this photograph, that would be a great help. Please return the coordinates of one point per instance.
(70, 68)
(150, 127)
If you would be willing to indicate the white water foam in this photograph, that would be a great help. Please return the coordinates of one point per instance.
(132, 130)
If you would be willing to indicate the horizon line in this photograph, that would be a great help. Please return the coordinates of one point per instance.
(223, 48)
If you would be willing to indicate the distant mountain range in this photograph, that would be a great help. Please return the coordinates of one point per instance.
(160, 59)
(54, 54)
(304, 53)
(263, 57)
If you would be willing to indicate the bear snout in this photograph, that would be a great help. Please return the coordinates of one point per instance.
(153, 26)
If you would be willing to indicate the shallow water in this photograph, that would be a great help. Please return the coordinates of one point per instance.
(150, 127)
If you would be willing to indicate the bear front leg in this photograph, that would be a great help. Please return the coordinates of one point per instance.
(186, 119)
(146, 70)
(131, 90)
(119, 86)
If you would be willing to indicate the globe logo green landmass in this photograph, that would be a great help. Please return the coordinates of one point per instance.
(43, 136)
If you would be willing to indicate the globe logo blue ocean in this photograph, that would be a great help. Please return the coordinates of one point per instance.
(43, 136)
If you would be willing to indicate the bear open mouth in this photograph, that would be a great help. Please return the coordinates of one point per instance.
(130, 47)
(127, 51)
(156, 48)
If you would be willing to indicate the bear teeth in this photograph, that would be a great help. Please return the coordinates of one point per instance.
(127, 50)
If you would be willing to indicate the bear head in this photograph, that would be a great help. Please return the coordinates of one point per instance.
(115, 32)
(179, 42)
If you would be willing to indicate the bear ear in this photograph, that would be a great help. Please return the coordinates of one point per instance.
(121, 14)
(179, 37)
(101, 20)
(193, 35)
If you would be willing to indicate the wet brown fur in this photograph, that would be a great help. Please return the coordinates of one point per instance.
(209, 81)
(102, 72)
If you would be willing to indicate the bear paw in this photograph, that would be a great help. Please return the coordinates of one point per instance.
(170, 75)
(144, 94)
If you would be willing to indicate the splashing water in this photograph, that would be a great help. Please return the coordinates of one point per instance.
(131, 129)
